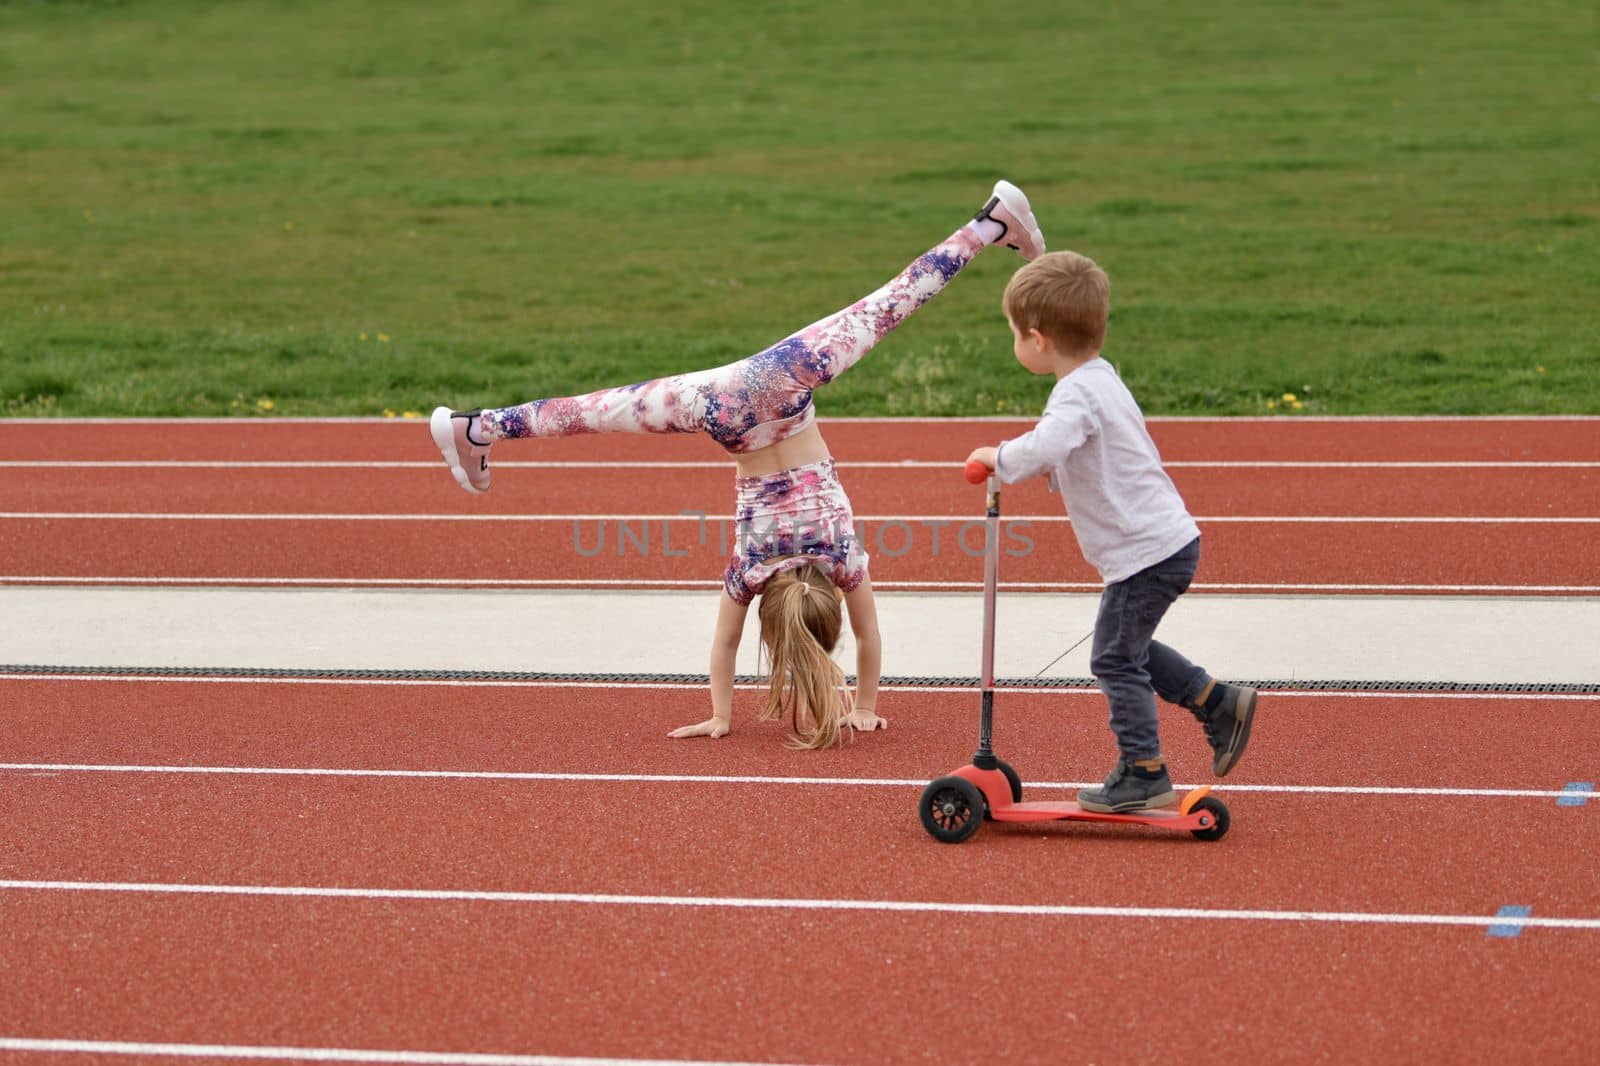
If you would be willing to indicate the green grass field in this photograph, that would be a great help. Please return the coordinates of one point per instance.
(357, 207)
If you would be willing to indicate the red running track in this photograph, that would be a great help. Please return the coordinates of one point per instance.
(942, 440)
(728, 983)
(782, 984)
(774, 986)
(1372, 739)
(1448, 557)
(554, 836)
(445, 543)
(1550, 492)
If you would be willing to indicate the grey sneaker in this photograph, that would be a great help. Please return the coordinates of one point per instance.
(467, 459)
(1228, 726)
(1130, 788)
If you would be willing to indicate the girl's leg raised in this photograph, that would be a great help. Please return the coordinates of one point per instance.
(827, 348)
(663, 405)
(771, 385)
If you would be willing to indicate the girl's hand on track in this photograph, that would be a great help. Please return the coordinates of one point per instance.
(711, 727)
(865, 721)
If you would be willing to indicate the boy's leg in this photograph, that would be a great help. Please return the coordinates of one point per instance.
(1130, 610)
(1226, 711)
(1175, 678)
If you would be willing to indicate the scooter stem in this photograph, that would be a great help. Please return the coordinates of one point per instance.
(984, 759)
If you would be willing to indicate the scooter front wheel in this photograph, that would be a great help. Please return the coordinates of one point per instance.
(952, 809)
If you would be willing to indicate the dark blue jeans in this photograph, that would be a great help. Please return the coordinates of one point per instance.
(1133, 667)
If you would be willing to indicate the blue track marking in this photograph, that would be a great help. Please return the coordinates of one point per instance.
(1513, 928)
(1577, 793)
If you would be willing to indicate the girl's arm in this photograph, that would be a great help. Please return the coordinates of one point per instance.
(724, 649)
(869, 657)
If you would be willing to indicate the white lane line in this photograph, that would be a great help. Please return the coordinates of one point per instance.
(697, 517)
(642, 584)
(701, 686)
(329, 1054)
(1043, 910)
(843, 464)
(729, 779)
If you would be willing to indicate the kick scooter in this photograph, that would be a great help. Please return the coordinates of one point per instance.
(953, 807)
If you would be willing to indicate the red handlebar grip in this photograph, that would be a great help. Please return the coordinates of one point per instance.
(977, 473)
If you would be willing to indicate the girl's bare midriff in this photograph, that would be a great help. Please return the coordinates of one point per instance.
(804, 447)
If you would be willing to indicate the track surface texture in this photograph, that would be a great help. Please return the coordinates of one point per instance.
(206, 869)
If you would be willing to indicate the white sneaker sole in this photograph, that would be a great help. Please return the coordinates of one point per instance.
(444, 438)
(1030, 243)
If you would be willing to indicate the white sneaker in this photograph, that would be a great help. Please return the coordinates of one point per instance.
(1009, 207)
(467, 459)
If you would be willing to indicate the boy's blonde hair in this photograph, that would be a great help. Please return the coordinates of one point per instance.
(1064, 296)
(800, 623)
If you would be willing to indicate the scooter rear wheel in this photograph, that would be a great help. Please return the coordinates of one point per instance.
(952, 809)
(1220, 819)
(1011, 778)
(1013, 784)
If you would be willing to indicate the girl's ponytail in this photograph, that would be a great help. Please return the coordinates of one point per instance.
(800, 623)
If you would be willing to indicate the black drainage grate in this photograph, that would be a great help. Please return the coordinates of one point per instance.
(364, 674)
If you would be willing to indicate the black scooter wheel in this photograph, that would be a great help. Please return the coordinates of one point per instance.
(952, 809)
(1011, 778)
(1220, 819)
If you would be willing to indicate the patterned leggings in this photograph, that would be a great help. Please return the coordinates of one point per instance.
(758, 400)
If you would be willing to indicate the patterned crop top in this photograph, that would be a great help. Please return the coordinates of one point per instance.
(795, 517)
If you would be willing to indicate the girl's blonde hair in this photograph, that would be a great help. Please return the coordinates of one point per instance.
(800, 623)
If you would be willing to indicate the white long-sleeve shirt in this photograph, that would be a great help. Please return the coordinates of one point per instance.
(1092, 441)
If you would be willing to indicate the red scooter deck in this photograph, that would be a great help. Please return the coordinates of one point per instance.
(1188, 813)
(955, 806)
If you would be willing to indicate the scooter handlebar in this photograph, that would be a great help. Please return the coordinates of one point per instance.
(977, 473)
